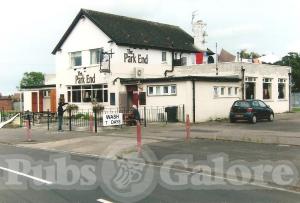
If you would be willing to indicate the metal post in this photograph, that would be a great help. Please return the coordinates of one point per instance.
(48, 119)
(183, 113)
(33, 118)
(145, 122)
(95, 119)
(290, 92)
(70, 120)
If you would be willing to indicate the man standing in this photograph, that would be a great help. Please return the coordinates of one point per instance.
(60, 114)
(136, 114)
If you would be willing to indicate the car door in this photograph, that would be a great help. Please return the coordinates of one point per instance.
(264, 109)
(256, 109)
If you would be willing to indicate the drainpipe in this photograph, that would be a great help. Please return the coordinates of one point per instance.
(172, 64)
(290, 92)
(243, 82)
(194, 102)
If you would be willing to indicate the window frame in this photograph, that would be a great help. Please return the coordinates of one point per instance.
(159, 90)
(72, 57)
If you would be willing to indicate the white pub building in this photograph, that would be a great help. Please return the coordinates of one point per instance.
(120, 61)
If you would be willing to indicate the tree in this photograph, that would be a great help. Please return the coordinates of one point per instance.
(292, 60)
(32, 79)
(246, 55)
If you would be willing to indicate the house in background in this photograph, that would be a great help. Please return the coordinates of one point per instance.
(40, 98)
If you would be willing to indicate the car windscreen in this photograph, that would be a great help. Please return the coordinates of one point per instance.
(242, 104)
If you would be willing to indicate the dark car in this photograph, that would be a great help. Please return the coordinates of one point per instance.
(250, 110)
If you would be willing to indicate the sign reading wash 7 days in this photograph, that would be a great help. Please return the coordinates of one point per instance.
(112, 119)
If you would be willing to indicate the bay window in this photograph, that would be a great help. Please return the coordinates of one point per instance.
(88, 93)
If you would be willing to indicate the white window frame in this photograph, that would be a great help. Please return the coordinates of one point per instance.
(158, 90)
(282, 81)
(71, 55)
(269, 82)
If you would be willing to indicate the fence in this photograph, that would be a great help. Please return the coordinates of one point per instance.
(6, 115)
(83, 118)
(296, 99)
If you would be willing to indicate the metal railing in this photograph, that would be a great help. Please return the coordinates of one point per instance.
(85, 118)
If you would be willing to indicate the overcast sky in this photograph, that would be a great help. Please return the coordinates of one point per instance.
(30, 29)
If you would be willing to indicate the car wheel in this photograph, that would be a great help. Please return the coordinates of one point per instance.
(253, 119)
(232, 120)
(271, 117)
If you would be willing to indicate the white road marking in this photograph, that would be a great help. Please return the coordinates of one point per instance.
(103, 201)
(26, 175)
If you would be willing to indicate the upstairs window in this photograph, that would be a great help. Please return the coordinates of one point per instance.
(96, 56)
(76, 58)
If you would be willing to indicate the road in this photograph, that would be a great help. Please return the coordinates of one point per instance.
(54, 193)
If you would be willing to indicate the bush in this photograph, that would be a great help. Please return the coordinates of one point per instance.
(72, 107)
(98, 107)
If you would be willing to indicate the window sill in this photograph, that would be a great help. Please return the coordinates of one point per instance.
(283, 100)
(225, 97)
(268, 100)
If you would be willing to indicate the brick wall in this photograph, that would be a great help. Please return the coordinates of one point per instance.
(6, 104)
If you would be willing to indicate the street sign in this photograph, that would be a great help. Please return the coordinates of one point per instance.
(111, 119)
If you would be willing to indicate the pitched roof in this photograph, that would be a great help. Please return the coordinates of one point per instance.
(225, 56)
(134, 32)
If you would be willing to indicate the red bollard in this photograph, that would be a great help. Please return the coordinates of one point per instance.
(91, 122)
(138, 136)
(187, 128)
(28, 131)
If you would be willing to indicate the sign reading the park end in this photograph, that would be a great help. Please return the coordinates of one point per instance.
(112, 119)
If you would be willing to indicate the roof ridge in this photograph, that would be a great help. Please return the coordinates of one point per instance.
(131, 18)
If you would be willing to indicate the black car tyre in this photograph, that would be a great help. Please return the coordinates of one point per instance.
(253, 119)
(271, 117)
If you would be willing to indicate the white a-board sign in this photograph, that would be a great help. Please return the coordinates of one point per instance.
(110, 119)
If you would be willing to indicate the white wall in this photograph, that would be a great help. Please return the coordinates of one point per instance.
(86, 36)
(27, 100)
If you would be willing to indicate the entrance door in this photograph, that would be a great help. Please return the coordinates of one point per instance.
(53, 100)
(34, 102)
(132, 95)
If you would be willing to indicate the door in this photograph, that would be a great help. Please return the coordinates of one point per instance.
(53, 101)
(41, 101)
(34, 102)
(132, 95)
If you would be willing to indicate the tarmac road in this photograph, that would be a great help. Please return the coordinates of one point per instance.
(53, 193)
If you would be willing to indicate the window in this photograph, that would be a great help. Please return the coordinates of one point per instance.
(150, 90)
(88, 93)
(96, 56)
(46, 93)
(162, 90)
(216, 91)
(236, 90)
(281, 88)
(76, 59)
(163, 56)
(142, 98)
(184, 61)
(255, 104)
(222, 90)
(250, 86)
(173, 89)
(267, 88)
(166, 89)
(262, 104)
(112, 99)
(158, 92)
(229, 91)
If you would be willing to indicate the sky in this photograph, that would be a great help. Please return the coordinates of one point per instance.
(30, 29)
